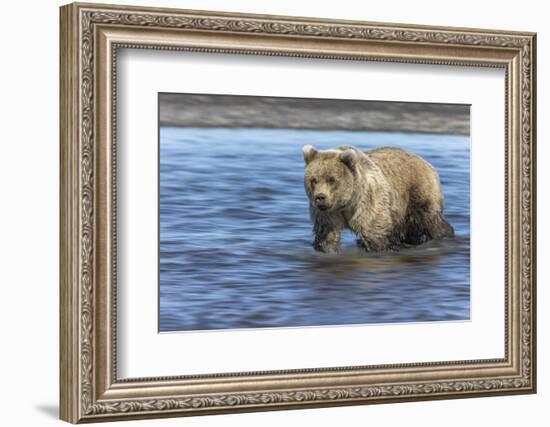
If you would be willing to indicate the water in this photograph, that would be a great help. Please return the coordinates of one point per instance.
(235, 236)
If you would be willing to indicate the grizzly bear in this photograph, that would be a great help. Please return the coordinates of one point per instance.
(388, 197)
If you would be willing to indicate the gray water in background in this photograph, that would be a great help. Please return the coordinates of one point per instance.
(235, 236)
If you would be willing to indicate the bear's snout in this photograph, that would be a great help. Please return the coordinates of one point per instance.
(320, 198)
(321, 201)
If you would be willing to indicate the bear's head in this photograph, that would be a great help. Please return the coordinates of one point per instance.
(329, 176)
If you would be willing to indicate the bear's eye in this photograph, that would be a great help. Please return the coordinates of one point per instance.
(331, 180)
(313, 181)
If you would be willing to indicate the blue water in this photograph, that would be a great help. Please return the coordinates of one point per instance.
(235, 236)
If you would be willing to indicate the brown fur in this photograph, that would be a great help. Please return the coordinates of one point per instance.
(387, 197)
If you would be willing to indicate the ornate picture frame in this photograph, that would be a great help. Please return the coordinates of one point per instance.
(90, 37)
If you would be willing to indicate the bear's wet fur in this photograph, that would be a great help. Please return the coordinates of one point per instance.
(388, 197)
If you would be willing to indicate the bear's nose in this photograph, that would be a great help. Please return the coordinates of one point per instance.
(320, 198)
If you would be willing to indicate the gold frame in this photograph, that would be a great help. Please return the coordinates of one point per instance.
(90, 36)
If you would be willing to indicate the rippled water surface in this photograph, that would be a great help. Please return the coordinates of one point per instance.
(235, 236)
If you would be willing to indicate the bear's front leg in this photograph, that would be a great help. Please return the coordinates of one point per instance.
(327, 235)
(373, 239)
(370, 245)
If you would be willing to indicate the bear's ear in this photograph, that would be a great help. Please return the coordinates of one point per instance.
(349, 158)
(309, 153)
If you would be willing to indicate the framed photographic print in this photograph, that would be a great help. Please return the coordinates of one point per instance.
(266, 212)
